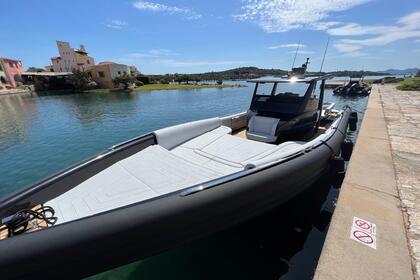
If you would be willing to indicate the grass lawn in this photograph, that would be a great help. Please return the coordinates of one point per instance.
(410, 84)
(163, 87)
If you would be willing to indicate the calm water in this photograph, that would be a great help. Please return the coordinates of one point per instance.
(43, 134)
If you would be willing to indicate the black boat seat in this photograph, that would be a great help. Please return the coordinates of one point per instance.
(262, 129)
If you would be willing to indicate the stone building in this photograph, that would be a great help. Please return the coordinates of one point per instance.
(70, 59)
(104, 73)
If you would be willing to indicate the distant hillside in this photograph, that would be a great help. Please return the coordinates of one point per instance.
(244, 73)
(358, 73)
(409, 71)
(241, 73)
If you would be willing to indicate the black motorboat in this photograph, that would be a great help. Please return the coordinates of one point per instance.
(173, 185)
(353, 88)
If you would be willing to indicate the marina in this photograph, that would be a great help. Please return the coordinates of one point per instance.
(254, 139)
(153, 179)
(373, 128)
(237, 94)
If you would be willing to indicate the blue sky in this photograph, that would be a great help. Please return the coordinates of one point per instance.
(190, 36)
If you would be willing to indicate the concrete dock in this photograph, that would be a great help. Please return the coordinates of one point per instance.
(375, 229)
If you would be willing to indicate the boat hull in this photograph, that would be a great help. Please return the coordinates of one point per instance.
(110, 239)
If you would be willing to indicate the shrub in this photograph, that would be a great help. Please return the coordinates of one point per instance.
(388, 80)
(80, 80)
(18, 78)
(91, 85)
(144, 79)
(164, 81)
(219, 82)
(410, 84)
(124, 80)
(34, 69)
(139, 83)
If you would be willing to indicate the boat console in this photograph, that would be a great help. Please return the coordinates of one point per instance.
(285, 108)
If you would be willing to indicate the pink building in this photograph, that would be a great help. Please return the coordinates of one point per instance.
(10, 72)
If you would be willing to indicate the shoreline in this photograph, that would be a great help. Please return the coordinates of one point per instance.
(14, 91)
(151, 87)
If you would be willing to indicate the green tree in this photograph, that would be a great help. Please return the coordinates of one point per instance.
(219, 82)
(124, 80)
(197, 80)
(165, 81)
(34, 69)
(144, 79)
(80, 80)
(185, 78)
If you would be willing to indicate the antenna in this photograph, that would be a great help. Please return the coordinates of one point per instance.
(297, 49)
(325, 53)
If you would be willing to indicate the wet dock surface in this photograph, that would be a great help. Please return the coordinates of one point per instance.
(374, 232)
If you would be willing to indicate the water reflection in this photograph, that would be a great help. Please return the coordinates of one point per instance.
(15, 114)
(93, 109)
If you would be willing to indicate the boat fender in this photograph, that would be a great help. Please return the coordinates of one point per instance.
(337, 164)
(338, 172)
(346, 149)
(353, 121)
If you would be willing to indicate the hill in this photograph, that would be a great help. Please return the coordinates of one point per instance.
(244, 73)
(241, 73)
(408, 71)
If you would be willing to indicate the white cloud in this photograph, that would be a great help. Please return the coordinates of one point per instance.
(157, 7)
(116, 24)
(303, 52)
(152, 53)
(405, 28)
(345, 48)
(165, 58)
(284, 15)
(356, 54)
(139, 55)
(354, 29)
(189, 63)
(161, 52)
(287, 46)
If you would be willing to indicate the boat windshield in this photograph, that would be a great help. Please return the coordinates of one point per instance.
(282, 89)
(282, 99)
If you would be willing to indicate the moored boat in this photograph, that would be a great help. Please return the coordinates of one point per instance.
(173, 185)
(353, 88)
